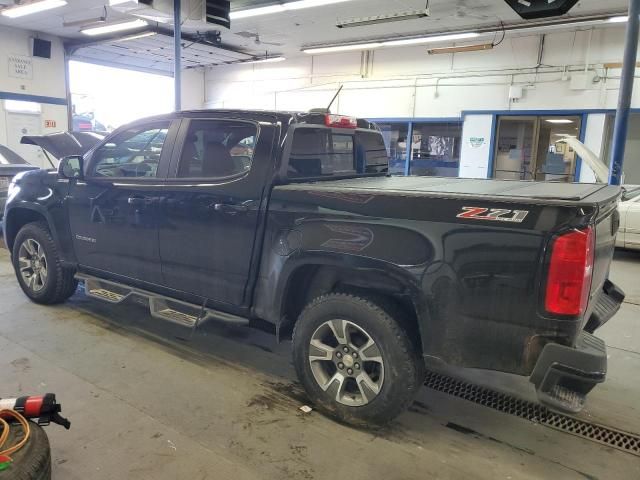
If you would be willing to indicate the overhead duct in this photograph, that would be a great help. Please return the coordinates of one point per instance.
(197, 15)
(532, 9)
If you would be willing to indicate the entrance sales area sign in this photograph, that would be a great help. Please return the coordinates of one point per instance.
(20, 66)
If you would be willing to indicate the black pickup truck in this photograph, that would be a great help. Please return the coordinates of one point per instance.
(292, 218)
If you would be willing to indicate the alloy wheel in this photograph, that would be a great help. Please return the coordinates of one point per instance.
(32, 263)
(346, 362)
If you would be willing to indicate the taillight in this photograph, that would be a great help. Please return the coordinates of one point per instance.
(340, 121)
(570, 271)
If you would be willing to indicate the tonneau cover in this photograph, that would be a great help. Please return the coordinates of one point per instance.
(515, 190)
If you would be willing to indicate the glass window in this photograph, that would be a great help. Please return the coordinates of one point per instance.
(435, 149)
(217, 148)
(395, 139)
(372, 155)
(531, 148)
(317, 152)
(132, 153)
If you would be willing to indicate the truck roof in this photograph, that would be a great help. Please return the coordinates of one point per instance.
(279, 115)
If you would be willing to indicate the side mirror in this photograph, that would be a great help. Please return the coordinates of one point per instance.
(71, 167)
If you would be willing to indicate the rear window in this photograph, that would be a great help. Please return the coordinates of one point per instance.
(318, 152)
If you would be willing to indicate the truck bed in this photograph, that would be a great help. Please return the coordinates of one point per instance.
(503, 190)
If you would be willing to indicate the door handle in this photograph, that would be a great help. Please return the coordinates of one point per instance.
(231, 208)
(137, 201)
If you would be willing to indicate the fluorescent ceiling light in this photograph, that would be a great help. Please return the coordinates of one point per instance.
(343, 48)
(391, 43)
(558, 120)
(281, 7)
(622, 19)
(376, 19)
(114, 27)
(35, 7)
(135, 37)
(267, 60)
(461, 49)
(85, 22)
(437, 38)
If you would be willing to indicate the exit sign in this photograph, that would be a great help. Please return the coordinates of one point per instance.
(49, 124)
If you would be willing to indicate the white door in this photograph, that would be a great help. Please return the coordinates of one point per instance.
(632, 224)
(19, 124)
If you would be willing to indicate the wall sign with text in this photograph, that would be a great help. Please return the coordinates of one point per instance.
(20, 66)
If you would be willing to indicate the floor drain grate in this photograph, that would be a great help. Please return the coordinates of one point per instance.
(627, 442)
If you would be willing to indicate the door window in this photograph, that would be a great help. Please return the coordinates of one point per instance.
(134, 152)
(217, 149)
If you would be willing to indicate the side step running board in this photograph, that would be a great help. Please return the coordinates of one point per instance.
(176, 311)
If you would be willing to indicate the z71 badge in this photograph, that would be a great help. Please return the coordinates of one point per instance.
(493, 214)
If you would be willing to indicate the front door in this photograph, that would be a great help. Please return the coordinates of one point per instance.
(212, 208)
(114, 212)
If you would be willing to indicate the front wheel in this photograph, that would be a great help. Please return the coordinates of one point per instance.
(37, 265)
(355, 360)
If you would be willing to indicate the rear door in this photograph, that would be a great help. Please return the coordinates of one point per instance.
(114, 212)
(212, 208)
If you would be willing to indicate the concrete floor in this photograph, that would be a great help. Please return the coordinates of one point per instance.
(148, 400)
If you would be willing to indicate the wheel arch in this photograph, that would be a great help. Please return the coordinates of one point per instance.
(308, 278)
(18, 217)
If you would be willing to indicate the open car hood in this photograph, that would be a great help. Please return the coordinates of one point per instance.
(63, 144)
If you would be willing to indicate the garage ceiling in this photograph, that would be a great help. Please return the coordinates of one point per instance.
(279, 34)
(155, 54)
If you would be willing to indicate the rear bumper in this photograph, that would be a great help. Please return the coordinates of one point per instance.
(606, 307)
(564, 375)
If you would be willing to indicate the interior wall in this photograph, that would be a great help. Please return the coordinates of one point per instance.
(632, 152)
(408, 82)
(192, 93)
(45, 78)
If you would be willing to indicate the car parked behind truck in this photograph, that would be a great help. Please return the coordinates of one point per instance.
(292, 218)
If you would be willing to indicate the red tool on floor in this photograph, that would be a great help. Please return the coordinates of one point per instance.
(43, 407)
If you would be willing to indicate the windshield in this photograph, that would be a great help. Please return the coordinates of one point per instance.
(630, 192)
(9, 157)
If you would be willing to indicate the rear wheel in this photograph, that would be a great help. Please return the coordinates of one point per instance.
(355, 360)
(37, 265)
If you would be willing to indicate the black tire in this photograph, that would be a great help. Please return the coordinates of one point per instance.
(59, 284)
(31, 462)
(403, 368)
